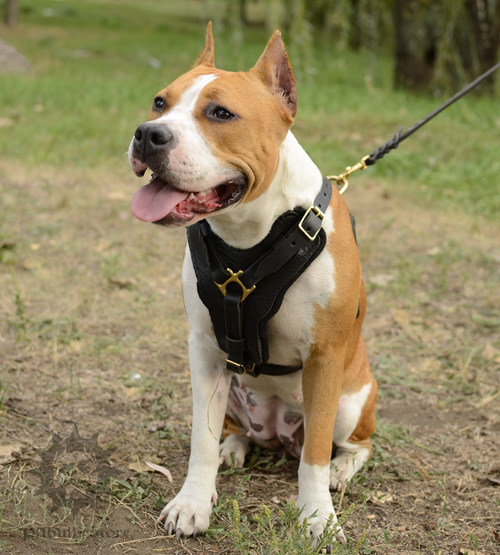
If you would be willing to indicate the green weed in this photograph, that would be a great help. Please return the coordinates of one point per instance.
(272, 531)
(7, 247)
(20, 321)
(2, 394)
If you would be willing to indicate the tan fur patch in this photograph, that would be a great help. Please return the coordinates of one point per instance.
(232, 427)
(338, 362)
(249, 142)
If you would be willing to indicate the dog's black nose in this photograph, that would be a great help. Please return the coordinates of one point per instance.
(151, 137)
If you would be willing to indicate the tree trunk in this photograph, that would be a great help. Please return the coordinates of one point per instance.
(485, 40)
(415, 47)
(11, 12)
(355, 34)
(443, 48)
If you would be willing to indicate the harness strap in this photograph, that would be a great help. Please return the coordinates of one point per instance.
(237, 286)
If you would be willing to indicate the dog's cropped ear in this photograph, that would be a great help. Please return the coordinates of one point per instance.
(207, 54)
(275, 71)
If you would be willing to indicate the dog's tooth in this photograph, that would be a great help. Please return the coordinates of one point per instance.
(201, 194)
(191, 196)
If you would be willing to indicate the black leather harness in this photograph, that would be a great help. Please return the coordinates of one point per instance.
(241, 302)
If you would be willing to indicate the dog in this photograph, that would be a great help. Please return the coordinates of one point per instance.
(226, 165)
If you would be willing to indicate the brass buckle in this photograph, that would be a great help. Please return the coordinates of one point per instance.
(320, 215)
(234, 277)
(240, 366)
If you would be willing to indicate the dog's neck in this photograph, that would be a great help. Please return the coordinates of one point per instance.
(296, 183)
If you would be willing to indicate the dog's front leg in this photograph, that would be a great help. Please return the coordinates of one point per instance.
(321, 383)
(189, 512)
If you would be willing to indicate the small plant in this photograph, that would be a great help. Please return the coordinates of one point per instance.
(272, 531)
(6, 250)
(20, 321)
(2, 394)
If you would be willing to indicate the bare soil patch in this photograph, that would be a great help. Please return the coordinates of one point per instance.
(11, 61)
(93, 333)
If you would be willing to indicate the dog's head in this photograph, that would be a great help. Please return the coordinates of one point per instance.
(212, 139)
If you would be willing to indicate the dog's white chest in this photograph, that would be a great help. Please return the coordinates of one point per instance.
(290, 331)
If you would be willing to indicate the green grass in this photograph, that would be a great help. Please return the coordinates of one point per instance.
(96, 67)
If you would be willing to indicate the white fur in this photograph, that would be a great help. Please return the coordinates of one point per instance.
(189, 512)
(349, 457)
(191, 508)
(348, 413)
(314, 497)
(296, 183)
(191, 161)
(236, 445)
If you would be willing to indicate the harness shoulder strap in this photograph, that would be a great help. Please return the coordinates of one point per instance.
(304, 235)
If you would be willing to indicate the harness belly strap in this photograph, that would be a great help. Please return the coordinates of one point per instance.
(242, 301)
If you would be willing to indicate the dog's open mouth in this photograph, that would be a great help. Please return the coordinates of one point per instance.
(159, 200)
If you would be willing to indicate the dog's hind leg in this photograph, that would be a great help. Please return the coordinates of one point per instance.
(354, 424)
(234, 446)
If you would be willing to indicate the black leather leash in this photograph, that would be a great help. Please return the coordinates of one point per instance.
(399, 137)
(237, 286)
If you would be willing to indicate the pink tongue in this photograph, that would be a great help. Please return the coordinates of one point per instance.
(156, 200)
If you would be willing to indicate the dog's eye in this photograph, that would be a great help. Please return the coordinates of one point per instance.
(159, 104)
(221, 113)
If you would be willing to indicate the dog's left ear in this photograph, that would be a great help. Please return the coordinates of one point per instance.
(207, 55)
(275, 71)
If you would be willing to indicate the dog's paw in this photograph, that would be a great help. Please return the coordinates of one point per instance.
(234, 447)
(344, 465)
(317, 523)
(187, 514)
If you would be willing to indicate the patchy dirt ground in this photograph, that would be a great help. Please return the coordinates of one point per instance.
(93, 333)
(11, 61)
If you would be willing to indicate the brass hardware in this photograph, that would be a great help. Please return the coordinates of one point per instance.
(318, 213)
(234, 277)
(240, 366)
(342, 178)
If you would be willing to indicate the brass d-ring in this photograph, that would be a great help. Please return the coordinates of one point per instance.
(339, 180)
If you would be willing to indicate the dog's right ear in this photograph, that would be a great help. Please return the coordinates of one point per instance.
(207, 55)
(275, 71)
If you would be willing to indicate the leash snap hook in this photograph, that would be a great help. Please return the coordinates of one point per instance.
(342, 178)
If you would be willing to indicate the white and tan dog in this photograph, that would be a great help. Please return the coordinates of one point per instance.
(220, 147)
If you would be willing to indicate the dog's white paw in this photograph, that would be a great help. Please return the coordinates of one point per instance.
(316, 504)
(317, 522)
(344, 465)
(187, 514)
(237, 446)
